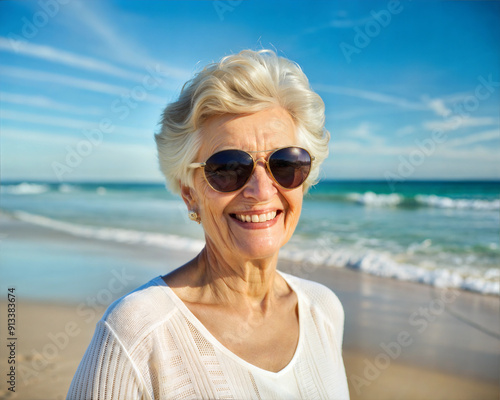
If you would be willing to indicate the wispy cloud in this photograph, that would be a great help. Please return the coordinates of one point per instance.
(486, 136)
(371, 96)
(477, 154)
(30, 136)
(450, 149)
(365, 132)
(406, 130)
(348, 147)
(344, 23)
(49, 77)
(341, 21)
(144, 167)
(52, 54)
(349, 114)
(62, 122)
(453, 123)
(71, 123)
(438, 106)
(454, 98)
(103, 28)
(79, 83)
(45, 102)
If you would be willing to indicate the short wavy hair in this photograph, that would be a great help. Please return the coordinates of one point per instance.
(243, 83)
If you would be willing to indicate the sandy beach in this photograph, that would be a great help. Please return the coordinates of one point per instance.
(401, 340)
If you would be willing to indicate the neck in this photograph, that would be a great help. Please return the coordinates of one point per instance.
(233, 280)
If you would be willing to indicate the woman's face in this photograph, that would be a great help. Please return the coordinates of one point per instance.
(221, 213)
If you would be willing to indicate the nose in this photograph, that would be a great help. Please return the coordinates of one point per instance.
(260, 186)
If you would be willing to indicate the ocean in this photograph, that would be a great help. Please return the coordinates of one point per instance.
(440, 233)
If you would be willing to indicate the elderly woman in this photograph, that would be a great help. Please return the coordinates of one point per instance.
(241, 145)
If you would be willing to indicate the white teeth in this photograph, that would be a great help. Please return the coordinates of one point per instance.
(256, 218)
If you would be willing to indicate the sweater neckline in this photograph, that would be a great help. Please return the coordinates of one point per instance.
(215, 342)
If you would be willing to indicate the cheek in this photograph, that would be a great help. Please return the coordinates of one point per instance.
(209, 206)
(294, 200)
(205, 196)
(212, 206)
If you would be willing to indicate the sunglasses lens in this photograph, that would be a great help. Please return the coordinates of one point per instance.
(290, 166)
(228, 170)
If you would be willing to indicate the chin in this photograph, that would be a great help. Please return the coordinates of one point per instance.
(255, 251)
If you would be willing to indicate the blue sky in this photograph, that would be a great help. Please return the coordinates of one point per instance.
(411, 88)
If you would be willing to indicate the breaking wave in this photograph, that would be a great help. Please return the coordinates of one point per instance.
(486, 281)
(372, 199)
(466, 204)
(381, 264)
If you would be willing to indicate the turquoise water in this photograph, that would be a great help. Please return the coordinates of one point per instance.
(439, 233)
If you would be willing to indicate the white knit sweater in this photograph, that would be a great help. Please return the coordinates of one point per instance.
(148, 345)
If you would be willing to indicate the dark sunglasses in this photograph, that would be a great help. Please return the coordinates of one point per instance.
(229, 170)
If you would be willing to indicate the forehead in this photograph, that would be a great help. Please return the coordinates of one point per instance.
(263, 130)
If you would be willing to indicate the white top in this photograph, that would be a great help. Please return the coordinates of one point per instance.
(148, 345)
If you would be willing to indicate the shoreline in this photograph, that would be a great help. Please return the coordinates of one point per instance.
(362, 260)
(444, 353)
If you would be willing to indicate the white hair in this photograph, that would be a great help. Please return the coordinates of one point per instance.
(243, 83)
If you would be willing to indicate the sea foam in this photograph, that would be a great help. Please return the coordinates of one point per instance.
(372, 262)
(378, 200)
(381, 264)
(25, 188)
(128, 236)
(466, 204)
(372, 199)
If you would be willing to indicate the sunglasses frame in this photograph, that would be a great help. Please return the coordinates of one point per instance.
(266, 162)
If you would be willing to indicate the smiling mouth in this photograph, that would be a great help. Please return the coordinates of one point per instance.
(256, 218)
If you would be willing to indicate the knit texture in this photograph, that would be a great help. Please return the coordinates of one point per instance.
(148, 345)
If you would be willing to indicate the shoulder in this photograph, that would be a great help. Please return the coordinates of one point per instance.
(139, 312)
(317, 296)
(322, 305)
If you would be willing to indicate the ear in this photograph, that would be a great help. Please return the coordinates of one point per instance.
(187, 194)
